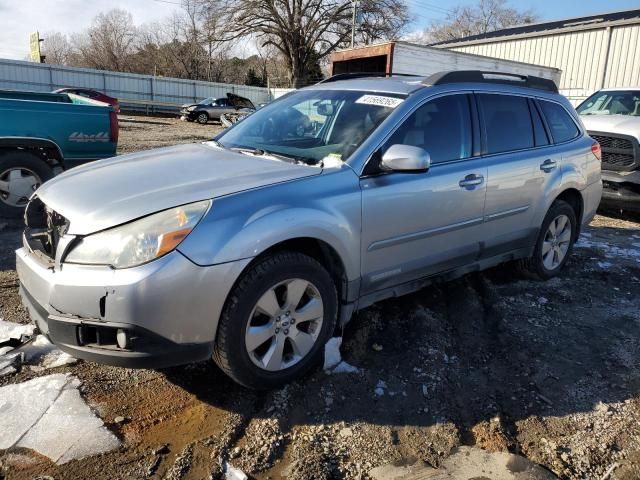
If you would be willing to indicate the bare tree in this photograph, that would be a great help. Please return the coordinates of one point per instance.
(57, 48)
(381, 20)
(109, 42)
(486, 16)
(301, 30)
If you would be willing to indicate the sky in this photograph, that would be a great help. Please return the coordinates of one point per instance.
(20, 17)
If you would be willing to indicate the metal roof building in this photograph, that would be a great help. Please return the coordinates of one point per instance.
(593, 52)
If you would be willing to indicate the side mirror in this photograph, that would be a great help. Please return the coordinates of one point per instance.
(406, 158)
(325, 109)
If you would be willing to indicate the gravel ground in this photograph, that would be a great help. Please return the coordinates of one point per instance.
(549, 370)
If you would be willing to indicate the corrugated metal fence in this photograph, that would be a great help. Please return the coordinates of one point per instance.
(140, 92)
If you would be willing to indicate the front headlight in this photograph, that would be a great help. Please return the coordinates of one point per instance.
(140, 241)
(191, 108)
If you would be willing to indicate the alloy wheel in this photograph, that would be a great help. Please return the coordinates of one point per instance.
(556, 242)
(284, 325)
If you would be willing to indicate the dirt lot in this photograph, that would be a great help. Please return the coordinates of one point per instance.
(550, 370)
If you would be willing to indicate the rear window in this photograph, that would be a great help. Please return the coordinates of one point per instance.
(562, 126)
(507, 122)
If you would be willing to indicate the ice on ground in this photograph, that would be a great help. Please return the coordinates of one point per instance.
(48, 415)
(233, 473)
(46, 353)
(332, 353)
(333, 362)
(40, 351)
(605, 265)
(14, 331)
(609, 250)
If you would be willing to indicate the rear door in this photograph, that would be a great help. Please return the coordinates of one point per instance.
(419, 224)
(522, 166)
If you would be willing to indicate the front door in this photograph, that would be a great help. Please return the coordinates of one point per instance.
(419, 224)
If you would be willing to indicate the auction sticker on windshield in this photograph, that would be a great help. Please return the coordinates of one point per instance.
(379, 100)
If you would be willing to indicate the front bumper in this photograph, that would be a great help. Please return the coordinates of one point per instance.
(167, 309)
(621, 190)
(191, 115)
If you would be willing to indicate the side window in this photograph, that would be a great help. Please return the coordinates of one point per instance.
(222, 102)
(539, 133)
(562, 126)
(442, 127)
(507, 122)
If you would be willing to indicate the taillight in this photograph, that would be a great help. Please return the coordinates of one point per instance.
(596, 150)
(114, 128)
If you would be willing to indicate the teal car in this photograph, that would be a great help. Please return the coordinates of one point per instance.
(42, 134)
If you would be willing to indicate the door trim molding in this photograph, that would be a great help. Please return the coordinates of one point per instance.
(506, 213)
(410, 237)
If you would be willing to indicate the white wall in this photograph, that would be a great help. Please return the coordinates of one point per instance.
(581, 55)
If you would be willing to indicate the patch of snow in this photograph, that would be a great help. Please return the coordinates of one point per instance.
(46, 353)
(332, 355)
(48, 415)
(14, 331)
(542, 301)
(40, 351)
(381, 386)
(233, 473)
(609, 250)
(605, 265)
(344, 367)
(333, 362)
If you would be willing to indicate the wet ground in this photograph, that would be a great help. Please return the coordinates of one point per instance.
(495, 360)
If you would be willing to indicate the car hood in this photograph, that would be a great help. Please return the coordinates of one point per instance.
(622, 124)
(110, 192)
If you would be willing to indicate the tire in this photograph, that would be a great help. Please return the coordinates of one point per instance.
(288, 270)
(538, 264)
(202, 118)
(12, 203)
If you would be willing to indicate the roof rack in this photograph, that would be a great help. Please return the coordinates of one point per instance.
(478, 76)
(355, 75)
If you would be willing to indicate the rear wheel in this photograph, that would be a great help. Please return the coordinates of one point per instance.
(276, 321)
(555, 241)
(21, 173)
(202, 118)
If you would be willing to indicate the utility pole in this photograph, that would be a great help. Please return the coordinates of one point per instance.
(353, 22)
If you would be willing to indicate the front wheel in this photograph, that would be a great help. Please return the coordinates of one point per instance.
(276, 321)
(202, 118)
(555, 241)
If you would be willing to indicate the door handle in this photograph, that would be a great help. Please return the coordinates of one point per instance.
(470, 181)
(548, 165)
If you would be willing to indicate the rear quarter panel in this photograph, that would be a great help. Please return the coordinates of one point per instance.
(81, 131)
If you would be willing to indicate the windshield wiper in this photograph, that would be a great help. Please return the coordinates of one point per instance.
(259, 152)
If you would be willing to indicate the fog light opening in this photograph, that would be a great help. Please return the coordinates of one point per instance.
(122, 338)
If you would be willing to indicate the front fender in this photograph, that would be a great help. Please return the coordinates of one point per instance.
(325, 207)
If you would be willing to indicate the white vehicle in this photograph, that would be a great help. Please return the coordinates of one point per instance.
(612, 118)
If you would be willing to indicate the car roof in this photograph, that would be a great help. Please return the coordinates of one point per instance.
(407, 85)
(402, 85)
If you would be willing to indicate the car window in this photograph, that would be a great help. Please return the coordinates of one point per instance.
(222, 102)
(313, 125)
(442, 127)
(562, 126)
(539, 133)
(507, 122)
(612, 103)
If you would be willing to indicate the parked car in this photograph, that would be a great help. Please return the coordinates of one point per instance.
(93, 95)
(254, 247)
(41, 133)
(211, 109)
(612, 117)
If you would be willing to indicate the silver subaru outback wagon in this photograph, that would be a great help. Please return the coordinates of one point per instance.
(252, 248)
